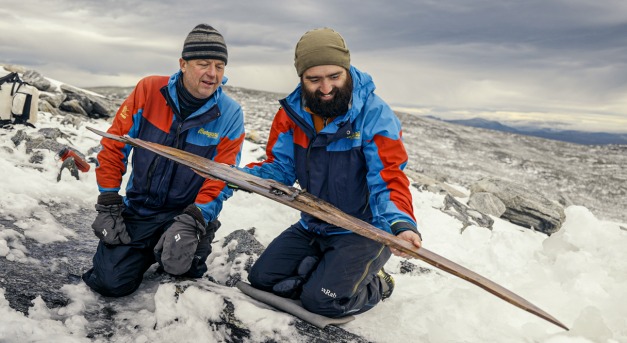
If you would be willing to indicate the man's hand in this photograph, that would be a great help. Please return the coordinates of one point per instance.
(412, 238)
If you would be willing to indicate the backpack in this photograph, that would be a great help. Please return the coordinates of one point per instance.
(19, 101)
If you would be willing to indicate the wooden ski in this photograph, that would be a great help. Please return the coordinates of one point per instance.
(305, 202)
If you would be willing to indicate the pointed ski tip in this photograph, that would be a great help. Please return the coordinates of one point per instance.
(562, 326)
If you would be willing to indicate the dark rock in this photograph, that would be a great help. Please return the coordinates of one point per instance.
(465, 215)
(19, 137)
(73, 106)
(37, 157)
(487, 203)
(524, 207)
(45, 106)
(412, 269)
(52, 133)
(93, 105)
(248, 246)
(35, 79)
(54, 99)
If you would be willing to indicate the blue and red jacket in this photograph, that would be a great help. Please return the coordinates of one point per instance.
(157, 184)
(356, 162)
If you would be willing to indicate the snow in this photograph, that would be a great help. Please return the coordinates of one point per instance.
(578, 275)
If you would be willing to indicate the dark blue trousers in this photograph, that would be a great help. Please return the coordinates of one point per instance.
(118, 270)
(343, 282)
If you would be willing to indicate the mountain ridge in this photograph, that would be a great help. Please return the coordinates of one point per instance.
(571, 136)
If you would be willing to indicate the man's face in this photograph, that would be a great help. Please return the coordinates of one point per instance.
(202, 77)
(327, 90)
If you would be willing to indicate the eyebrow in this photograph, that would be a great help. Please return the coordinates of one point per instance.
(321, 76)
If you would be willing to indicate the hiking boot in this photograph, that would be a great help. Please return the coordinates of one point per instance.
(387, 283)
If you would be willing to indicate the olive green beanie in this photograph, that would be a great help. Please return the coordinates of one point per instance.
(321, 46)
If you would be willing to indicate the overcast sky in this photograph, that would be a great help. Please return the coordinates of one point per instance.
(560, 62)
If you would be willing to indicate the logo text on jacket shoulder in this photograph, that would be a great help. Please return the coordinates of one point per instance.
(124, 112)
(354, 135)
(207, 133)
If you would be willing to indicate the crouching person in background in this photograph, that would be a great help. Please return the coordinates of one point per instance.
(169, 214)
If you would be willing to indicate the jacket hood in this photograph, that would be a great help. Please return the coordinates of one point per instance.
(363, 87)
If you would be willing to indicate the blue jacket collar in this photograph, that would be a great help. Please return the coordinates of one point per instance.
(363, 86)
(213, 100)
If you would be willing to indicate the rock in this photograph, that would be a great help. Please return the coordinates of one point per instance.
(524, 207)
(93, 105)
(487, 203)
(35, 79)
(45, 106)
(13, 68)
(254, 136)
(45, 138)
(36, 158)
(412, 269)
(73, 106)
(247, 245)
(19, 136)
(72, 120)
(55, 99)
(432, 184)
(464, 214)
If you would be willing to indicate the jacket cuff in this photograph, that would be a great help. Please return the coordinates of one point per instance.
(110, 198)
(196, 213)
(399, 227)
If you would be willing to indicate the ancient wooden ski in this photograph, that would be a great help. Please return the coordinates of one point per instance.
(316, 207)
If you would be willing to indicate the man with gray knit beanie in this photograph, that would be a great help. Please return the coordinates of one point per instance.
(169, 214)
(343, 144)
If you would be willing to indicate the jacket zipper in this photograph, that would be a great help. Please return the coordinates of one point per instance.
(311, 133)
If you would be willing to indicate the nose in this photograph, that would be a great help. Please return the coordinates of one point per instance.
(326, 86)
(211, 70)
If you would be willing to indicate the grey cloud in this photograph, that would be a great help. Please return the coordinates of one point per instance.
(481, 54)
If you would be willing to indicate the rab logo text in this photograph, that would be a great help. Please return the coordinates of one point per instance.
(177, 237)
(328, 293)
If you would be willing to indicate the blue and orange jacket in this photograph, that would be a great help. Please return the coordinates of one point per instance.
(356, 162)
(157, 184)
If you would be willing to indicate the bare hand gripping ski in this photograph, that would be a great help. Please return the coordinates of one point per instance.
(318, 208)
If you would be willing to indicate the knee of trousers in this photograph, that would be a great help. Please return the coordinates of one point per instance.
(259, 279)
(320, 302)
(110, 285)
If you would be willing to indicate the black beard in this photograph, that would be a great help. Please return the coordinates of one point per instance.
(332, 108)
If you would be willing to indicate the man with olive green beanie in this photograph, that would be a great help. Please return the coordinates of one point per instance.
(343, 144)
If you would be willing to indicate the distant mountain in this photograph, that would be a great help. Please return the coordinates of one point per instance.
(572, 136)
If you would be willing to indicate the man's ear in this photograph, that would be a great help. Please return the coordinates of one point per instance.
(182, 64)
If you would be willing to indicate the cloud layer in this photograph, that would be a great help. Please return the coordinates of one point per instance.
(559, 61)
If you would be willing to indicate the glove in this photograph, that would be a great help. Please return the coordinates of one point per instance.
(178, 247)
(109, 224)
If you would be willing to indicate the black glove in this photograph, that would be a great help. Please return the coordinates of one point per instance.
(186, 244)
(109, 224)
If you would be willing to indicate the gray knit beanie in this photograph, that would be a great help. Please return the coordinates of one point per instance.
(322, 46)
(204, 42)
